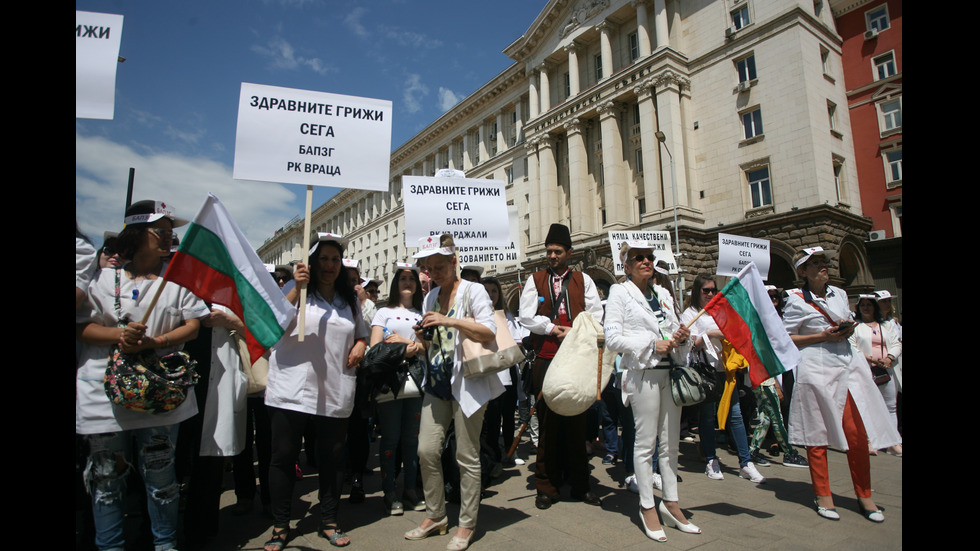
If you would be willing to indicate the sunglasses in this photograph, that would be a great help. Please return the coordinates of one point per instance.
(163, 233)
(709, 290)
(642, 257)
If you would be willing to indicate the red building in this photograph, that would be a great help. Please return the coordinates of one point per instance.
(871, 55)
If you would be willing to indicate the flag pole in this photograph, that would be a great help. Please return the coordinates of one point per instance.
(690, 323)
(153, 302)
(306, 259)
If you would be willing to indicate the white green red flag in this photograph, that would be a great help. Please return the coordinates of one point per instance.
(216, 263)
(745, 315)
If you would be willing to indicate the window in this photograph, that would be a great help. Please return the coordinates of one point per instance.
(752, 123)
(568, 85)
(890, 116)
(884, 65)
(636, 113)
(598, 67)
(832, 115)
(839, 178)
(893, 167)
(638, 155)
(634, 47)
(759, 187)
(746, 69)
(877, 19)
(740, 17)
(825, 60)
(510, 174)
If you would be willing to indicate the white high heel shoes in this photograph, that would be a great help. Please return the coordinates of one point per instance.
(669, 520)
(655, 535)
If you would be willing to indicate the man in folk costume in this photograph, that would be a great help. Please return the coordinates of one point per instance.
(550, 302)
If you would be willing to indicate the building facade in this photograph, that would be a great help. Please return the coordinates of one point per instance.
(871, 31)
(620, 114)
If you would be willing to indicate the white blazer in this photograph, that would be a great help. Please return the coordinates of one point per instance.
(633, 329)
(861, 339)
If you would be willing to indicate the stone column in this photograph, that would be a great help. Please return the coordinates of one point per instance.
(605, 48)
(426, 167)
(660, 25)
(545, 88)
(518, 122)
(534, 184)
(502, 144)
(581, 196)
(481, 132)
(651, 188)
(642, 30)
(467, 161)
(452, 154)
(532, 95)
(668, 85)
(547, 207)
(573, 72)
(615, 188)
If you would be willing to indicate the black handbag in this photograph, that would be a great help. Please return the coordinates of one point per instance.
(713, 381)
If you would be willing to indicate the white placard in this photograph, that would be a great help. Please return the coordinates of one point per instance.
(313, 138)
(735, 252)
(473, 211)
(659, 240)
(495, 257)
(97, 39)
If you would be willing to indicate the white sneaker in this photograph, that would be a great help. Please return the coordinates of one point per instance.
(713, 470)
(631, 484)
(750, 472)
(518, 460)
(658, 481)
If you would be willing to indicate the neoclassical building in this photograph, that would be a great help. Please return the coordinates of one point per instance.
(620, 114)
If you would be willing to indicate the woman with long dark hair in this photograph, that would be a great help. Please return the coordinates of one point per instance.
(312, 383)
(399, 418)
(708, 337)
(881, 347)
(835, 403)
(123, 295)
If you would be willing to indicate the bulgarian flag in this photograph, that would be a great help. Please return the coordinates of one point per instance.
(745, 315)
(216, 263)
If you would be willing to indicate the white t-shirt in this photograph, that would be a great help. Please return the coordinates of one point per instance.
(312, 376)
(399, 320)
(94, 413)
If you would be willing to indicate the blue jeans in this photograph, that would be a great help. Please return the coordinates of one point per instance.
(609, 413)
(399, 422)
(108, 465)
(735, 425)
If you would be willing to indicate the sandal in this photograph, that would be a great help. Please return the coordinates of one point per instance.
(278, 539)
(332, 538)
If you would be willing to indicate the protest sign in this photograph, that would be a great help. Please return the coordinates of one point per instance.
(313, 138)
(495, 257)
(473, 211)
(735, 252)
(97, 39)
(659, 240)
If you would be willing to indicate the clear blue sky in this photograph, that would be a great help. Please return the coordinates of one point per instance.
(177, 92)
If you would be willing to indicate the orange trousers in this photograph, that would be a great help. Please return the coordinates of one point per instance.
(857, 456)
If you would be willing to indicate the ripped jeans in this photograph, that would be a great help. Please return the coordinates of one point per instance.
(108, 464)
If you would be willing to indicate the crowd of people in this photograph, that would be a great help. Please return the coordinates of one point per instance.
(403, 367)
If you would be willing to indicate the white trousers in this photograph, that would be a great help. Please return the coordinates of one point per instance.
(655, 415)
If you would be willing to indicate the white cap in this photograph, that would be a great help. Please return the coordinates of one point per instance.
(812, 251)
(351, 263)
(882, 295)
(405, 266)
(429, 246)
(867, 296)
(450, 173)
(474, 267)
(324, 236)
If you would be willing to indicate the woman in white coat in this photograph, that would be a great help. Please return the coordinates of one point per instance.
(881, 347)
(448, 395)
(311, 384)
(835, 403)
(641, 324)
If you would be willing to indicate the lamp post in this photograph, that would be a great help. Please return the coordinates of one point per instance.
(662, 138)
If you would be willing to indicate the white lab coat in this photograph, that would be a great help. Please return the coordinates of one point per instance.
(826, 374)
(223, 428)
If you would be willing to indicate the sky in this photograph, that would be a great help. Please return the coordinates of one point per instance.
(176, 105)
